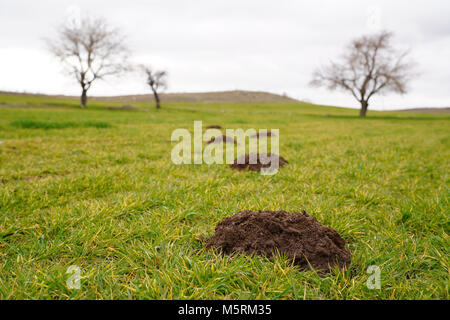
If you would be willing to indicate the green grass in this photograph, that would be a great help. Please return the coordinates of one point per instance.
(32, 124)
(108, 199)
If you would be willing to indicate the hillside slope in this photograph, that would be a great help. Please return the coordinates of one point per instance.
(235, 96)
(211, 97)
(429, 110)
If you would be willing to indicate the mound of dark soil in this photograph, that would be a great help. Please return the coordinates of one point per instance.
(124, 107)
(298, 236)
(244, 163)
(222, 138)
(263, 134)
(214, 127)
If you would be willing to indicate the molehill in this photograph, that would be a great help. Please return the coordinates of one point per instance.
(298, 236)
(243, 162)
(222, 139)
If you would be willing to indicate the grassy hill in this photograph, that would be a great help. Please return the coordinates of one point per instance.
(235, 96)
(96, 188)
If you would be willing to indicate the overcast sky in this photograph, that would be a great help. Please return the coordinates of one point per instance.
(212, 45)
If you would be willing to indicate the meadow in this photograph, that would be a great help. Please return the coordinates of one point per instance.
(96, 188)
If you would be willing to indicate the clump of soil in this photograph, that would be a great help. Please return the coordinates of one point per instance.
(244, 163)
(263, 134)
(124, 107)
(214, 127)
(298, 236)
(222, 138)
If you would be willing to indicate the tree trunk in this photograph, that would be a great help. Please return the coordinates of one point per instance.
(83, 98)
(158, 105)
(364, 106)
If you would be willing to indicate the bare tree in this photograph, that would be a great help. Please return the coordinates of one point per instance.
(369, 66)
(156, 80)
(90, 50)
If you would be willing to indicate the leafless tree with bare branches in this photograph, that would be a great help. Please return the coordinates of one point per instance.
(156, 80)
(90, 50)
(369, 66)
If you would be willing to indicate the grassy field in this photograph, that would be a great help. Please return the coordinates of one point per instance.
(96, 188)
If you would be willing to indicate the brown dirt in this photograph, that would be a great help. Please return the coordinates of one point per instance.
(261, 134)
(214, 127)
(298, 236)
(222, 138)
(124, 107)
(243, 162)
